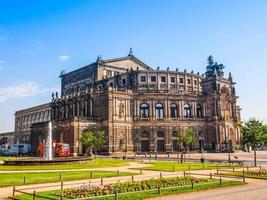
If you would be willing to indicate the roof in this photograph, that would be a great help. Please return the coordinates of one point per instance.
(129, 57)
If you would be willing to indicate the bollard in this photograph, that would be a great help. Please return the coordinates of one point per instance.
(116, 195)
(91, 174)
(132, 178)
(233, 168)
(61, 185)
(210, 175)
(220, 181)
(24, 180)
(158, 190)
(184, 173)
(160, 175)
(173, 168)
(14, 190)
(140, 170)
(34, 195)
(189, 167)
(118, 172)
(60, 177)
(192, 183)
(244, 181)
(247, 168)
(217, 169)
(260, 167)
(101, 180)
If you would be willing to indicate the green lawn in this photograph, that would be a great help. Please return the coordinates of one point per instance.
(240, 174)
(148, 194)
(170, 166)
(97, 163)
(9, 179)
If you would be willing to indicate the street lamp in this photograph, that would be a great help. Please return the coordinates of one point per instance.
(229, 150)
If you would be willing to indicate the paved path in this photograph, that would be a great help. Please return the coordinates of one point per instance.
(122, 168)
(254, 190)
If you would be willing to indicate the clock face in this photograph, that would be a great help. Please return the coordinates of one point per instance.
(224, 91)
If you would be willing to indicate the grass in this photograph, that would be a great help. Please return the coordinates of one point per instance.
(174, 166)
(149, 194)
(247, 175)
(9, 179)
(97, 163)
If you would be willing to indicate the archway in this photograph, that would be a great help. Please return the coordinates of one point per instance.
(160, 141)
(145, 142)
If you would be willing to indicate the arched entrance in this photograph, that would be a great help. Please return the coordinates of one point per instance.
(160, 141)
(145, 142)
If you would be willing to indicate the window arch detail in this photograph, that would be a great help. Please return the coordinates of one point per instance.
(159, 111)
(187, 111)
(174, 110)
(144, 110)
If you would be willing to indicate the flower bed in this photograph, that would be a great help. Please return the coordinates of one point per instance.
(261, 172)
(122, 187)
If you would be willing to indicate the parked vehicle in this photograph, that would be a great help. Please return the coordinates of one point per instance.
(17, 149)
(62, 150)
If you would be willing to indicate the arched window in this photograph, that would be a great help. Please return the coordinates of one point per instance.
(159, 111)
(174, 110)
(144, 110)
(145, 134)
(187, 111)
(160, 134)
(199, 111)
(175, 134)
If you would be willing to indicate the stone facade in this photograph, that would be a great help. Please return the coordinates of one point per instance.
(140, 108)
(24, 119)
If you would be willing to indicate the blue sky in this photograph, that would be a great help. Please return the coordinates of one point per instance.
(38, 39)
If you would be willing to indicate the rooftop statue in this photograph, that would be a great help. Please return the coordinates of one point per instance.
(214, 68)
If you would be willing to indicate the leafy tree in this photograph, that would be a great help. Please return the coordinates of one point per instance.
(99, 139)
(87, 141)
(189, 138)
(185, 139)
(254, 134)
(92, 139)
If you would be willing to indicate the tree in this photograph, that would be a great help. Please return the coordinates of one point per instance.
(87, 141)
(99, 139)
(92, 139)
(254, 134)
(189, 138)
(185, 139)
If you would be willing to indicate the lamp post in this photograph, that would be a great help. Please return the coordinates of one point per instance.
(228, 147)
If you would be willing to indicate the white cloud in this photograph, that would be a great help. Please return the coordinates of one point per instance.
(64, 57)
(24, 89)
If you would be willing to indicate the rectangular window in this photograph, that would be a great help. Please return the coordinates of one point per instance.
(109, 73)
(172, 79)
(153, 79)
(189, 81)
(143, 79)
(116, 73)
(110, 84)
(123, 81)
(181, 80)
(163, 79)
(195, 82)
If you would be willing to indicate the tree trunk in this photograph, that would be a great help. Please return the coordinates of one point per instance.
(255, 156)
